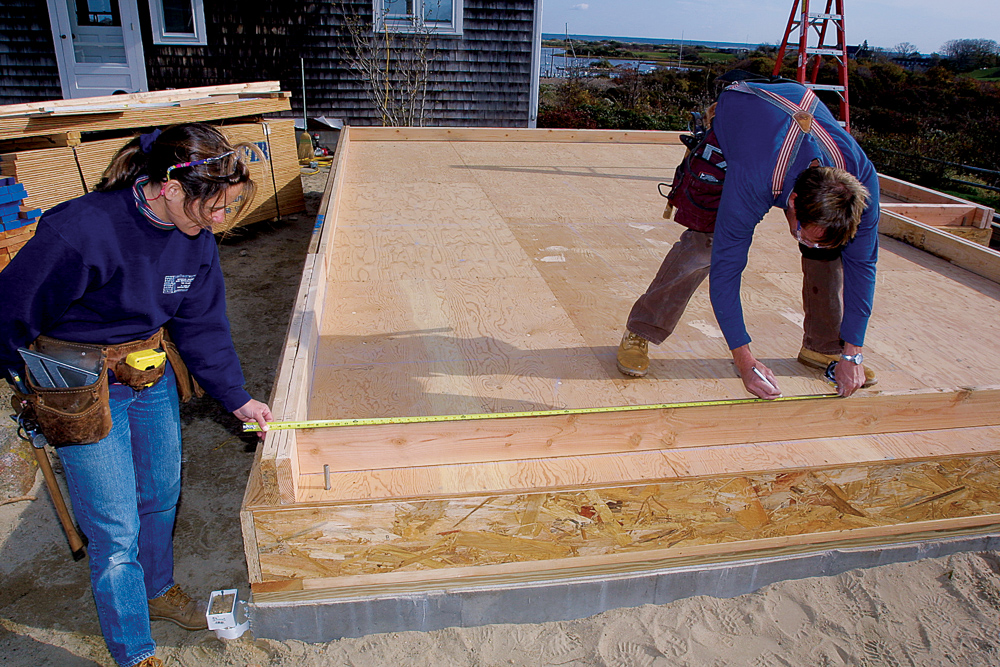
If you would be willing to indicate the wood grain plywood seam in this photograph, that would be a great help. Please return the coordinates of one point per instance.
(375, 447)
(528, 475)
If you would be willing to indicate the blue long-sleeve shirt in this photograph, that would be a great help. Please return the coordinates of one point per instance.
(751, 132)
(97, 271)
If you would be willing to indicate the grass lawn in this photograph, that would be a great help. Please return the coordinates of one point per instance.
(986, 74)
(983, 197)
(714, 57)
(657, 56)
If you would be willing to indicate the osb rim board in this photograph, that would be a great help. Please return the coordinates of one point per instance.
(568, 533)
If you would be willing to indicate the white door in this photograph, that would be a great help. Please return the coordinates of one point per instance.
(98, 47)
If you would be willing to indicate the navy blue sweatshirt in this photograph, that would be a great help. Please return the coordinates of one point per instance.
(98, 271)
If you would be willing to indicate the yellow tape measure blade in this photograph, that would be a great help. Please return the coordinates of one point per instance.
(423, 419)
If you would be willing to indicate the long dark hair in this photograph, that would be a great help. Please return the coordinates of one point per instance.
(202, 183)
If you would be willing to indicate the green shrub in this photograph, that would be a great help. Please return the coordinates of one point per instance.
(898, 116)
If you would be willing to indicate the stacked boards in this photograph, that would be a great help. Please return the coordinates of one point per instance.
(17, 221)
(60, 122)
(49, 176)
(57, 150)
(916, 204)
(485, 272)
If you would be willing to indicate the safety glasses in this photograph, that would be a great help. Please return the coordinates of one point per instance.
(208, 160)
(808, 244)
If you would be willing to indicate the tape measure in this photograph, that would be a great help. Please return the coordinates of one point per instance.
(381, 421)
(146, 360)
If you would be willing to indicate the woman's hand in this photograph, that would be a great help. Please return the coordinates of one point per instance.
(255, 411)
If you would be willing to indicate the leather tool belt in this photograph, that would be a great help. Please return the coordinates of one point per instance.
(697, 186)
(82, 415)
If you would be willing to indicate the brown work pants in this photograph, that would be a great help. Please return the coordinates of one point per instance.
(656, 313)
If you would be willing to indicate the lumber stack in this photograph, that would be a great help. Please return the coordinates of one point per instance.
(50, 175)
(150, 109)
(17, 220)
(57, 150)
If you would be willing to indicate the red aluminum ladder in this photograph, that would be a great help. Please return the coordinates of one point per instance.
(820, 23)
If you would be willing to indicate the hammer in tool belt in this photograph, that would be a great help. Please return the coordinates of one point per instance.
(28, 430)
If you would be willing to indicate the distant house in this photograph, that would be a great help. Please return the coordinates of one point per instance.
(917, 62)
(482, 56)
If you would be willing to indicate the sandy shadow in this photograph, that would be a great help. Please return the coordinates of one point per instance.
(23, 651)
(43, 588)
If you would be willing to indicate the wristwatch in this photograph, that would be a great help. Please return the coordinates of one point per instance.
(854, 358)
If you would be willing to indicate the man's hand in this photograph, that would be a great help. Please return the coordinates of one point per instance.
(757, 378)
(255, 411)
(849, 375)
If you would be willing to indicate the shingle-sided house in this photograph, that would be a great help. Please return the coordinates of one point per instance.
(467, 62)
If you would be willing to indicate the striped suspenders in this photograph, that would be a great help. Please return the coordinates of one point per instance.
(803, 114)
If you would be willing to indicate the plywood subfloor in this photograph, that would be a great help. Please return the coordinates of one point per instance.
(471, 277)
(495, 276)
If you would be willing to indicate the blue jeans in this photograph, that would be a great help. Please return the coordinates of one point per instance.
(124, 491)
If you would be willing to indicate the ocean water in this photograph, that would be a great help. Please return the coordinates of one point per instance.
(647, 40)
(555, 63)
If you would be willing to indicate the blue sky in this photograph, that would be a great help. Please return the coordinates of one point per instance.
(927, 24)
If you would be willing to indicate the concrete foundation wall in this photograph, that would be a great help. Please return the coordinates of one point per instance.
(567, 599)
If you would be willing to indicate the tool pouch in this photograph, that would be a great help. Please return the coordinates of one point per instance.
(187, 386)
(697, 185)
(133, 377)
(74, 415)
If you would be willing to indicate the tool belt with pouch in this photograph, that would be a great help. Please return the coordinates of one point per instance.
(696, 190)
(82, 415)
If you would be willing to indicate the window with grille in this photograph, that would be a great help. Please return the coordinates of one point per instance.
(438, 16)
(178, 21)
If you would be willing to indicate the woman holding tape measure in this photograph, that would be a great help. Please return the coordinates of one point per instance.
(126, 282)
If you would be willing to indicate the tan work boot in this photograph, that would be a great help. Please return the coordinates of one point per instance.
(177, 607)
(633, 355)
(821, 361)
(151, 661)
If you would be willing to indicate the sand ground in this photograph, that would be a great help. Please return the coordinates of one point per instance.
(942, 611)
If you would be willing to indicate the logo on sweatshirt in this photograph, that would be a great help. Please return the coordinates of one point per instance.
(175, 284)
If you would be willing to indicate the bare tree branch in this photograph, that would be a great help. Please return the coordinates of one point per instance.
(395, 66)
